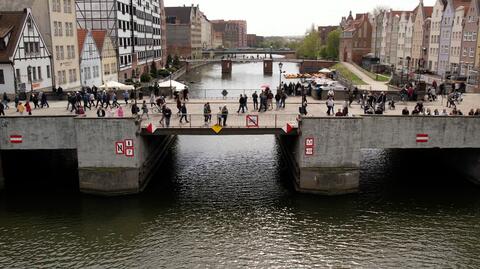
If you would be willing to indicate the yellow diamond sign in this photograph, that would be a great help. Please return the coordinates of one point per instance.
(217, 128)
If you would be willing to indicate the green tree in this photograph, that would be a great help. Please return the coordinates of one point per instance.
(176, 61)
(310, 47)
(169, 60)
(153, 70)
(333, 44)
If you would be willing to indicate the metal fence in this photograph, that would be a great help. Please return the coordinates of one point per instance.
(233, 120)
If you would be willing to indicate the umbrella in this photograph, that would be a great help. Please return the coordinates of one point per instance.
(325, 71)
(175, 85)
(264, 86)
(117, 85)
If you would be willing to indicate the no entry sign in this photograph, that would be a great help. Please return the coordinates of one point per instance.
(125, 148)
(120, 148)
(252, 121)
(309, 146)
(16, 139)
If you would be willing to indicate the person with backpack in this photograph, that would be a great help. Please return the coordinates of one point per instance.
(167, 114)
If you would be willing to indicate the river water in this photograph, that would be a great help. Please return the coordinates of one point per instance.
(228, 202)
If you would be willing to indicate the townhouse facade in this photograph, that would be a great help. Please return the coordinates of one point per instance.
(56, 21)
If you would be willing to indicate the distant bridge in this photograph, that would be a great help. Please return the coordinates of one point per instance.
(248, 51)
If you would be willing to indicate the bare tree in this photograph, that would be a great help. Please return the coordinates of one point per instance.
(379, 10)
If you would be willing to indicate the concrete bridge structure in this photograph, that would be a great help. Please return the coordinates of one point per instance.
(259, 51)
(306, 66)
(118, 156)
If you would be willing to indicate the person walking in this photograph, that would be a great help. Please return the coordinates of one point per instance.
(120, 113)
(5, 101)
(225, 115)
(282, 100)
(183, 113)
(152, 99)
(28, 108)
(20, 108)
(255, 100)
(167, 114)
(2, 109)
(135, 109)
(125, 97)
(44, 101)
(241, 106)
(277, 100)
(144, 109)
(207, 113)
(330, 106)
(100, 112)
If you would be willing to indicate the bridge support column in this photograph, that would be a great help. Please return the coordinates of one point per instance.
(326, 156)
(120, 161)
(268, 66)
(2, 178)
(226, 66)
(466, 162)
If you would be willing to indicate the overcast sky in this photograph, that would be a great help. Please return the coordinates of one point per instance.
(280, 17)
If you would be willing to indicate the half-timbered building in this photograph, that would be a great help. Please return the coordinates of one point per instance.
(25, 62)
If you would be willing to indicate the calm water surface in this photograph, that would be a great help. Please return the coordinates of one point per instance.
(227, 202)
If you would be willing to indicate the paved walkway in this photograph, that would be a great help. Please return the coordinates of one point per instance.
(375, 85)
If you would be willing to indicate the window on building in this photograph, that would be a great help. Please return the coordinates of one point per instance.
(34, 73)
(48, 71)
(39, 70)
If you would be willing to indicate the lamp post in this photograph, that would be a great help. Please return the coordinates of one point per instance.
(271, 49)
(170, 78)
(280, 65)
(408, 66)
(30, 79)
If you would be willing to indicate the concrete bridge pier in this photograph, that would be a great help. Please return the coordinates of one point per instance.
(226, 66)
(267, 66)
(325, 157)
(466, 162)
(2, 178)
(119, 161)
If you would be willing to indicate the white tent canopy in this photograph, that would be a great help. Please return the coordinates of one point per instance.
(117, 85)
(325, 71)
(175, 85)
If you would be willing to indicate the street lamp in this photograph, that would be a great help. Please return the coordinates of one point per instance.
(408, 66)
(271, 49)
(30, 80)
(280, 65)
(170, 77)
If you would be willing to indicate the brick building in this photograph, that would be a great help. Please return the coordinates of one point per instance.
(356, 38)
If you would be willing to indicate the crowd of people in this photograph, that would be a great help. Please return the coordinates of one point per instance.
(107, 104)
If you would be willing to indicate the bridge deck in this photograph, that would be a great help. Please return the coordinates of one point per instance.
(270, 122)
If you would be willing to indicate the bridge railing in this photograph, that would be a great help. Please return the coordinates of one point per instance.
(234, 120)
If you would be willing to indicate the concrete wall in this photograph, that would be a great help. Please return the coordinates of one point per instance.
(2, 178)
(400, 132)
(38, 133)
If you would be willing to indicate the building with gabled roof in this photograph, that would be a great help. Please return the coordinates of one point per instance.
(421, 35)
(25, 61)
(356, 38)
(90, 61)
(108, 55)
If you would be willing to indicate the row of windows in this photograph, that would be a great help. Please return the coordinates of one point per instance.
(62, 76)
(34, 74)
(126, 25)
(127, 41)
(109, 69)
(58, 29)
(87, 72)
(60, 52)
(67, 6)
(127, 9)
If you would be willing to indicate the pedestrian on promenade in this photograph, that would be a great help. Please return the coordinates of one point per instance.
(80, 111)
(255, 100)
(330, 106)
(283, 99)
(152, 99)
(44, 101)
(100, 112)
(106, 99)
(167, 114)
(339, 113)
(5, 101)
(277, 101)
(219, 116)
(17, 101)
(140, 95)
(207, 112)
(135, 109)
(183, 113)
(120, 113)
(145, 109)
(2, 109)
(405, 112)
(345, 108)
(225, 115)
(185, 94)
(34, 100)
(20, 108)
(241, 106)
(179, 106)
(28, 108)
(115, 100)
(86, 101)
(91, 99)
(125, 97)
(269, 99)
